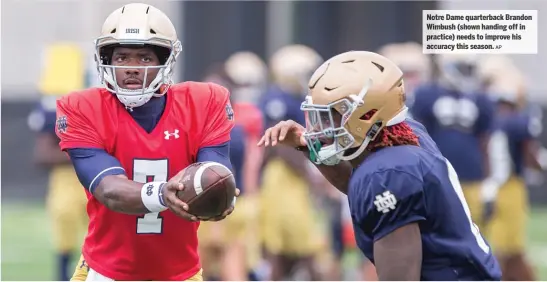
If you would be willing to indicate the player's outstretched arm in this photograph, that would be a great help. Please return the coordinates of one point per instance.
(101, 173)
(120, 194)
(104, 177)
(290, 133)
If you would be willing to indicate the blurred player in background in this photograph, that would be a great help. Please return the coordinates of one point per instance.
(127, 141)
(230, 250)
(290, 234)
(512, 147)
(459, 118)
(249, 75)
(409, 213)
(416, 65)
(66, 200)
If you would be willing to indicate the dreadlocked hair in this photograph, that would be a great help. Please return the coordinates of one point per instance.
(394, 135)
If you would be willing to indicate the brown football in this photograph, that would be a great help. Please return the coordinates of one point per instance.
(209, 189)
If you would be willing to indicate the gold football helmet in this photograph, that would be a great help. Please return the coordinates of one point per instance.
(138, 25)
(492, 66)
(508, 86)
(292, 66)
(416, 65)
(249, 74)
(410, 59)
(343, 92)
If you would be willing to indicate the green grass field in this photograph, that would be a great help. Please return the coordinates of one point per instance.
(27, 253)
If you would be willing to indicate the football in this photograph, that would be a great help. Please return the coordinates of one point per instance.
(209, 189)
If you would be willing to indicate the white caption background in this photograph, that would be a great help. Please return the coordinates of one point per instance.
(480, 32)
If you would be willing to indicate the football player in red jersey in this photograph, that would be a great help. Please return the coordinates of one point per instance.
(127, 141)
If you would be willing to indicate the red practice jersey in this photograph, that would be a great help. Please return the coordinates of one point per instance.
(151, 246)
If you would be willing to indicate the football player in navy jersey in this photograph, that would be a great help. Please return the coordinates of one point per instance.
(409, 213)
(512, 147)
(459, 119)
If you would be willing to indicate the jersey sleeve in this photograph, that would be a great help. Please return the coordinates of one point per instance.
(220, 117)
(392, 199)
(219, 154)
(74, 127)
(92, 165)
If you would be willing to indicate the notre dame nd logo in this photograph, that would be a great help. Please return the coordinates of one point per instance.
(229, 111)
(385, 202)
(61, 124)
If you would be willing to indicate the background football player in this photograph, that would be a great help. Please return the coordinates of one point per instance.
(290, 232)
(64, 72)
(512, 147)
(129, 140)
(459, 118)
(230, 250)
(409, 213)
(416, 65)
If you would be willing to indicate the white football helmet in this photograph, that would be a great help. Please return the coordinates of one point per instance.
(137, 24)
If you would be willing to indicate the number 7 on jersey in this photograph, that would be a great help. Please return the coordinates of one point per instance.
(147, 171)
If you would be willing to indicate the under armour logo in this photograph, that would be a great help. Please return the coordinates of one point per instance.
(174, 134)
(149, 189)
(385, 202)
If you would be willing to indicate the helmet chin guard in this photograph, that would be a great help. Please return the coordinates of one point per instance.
(137, 97)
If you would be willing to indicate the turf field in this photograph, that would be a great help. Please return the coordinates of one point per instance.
(27, 253)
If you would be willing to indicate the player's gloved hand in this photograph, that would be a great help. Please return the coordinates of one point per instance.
(226, 213)
(173, 202)
(287, 132)
(488, 210)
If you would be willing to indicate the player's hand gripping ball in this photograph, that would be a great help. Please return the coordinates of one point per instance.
(202, 191)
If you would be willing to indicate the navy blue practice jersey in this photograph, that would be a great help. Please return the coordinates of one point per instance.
(456, 122)
(399, 185)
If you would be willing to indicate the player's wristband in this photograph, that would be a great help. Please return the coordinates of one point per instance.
(152, 196)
